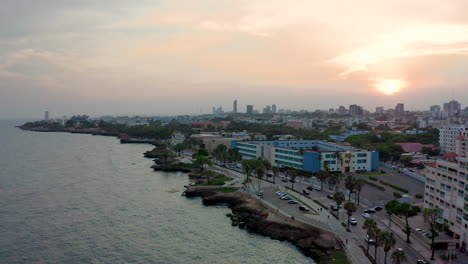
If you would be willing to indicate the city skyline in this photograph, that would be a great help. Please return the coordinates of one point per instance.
(173, 57)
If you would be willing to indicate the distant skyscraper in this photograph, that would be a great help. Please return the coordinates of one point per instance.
(46, 116)
(234, 107)
(250, 109)
(273, 109)
(400, 108)
(342, 110)
(452, 108)
(214, 110)
(379, 110)
(435, 111)
(355, 110)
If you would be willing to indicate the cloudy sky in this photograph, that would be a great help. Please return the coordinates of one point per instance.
(184, 56)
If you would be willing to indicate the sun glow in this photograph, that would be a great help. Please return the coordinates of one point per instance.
(390, 86)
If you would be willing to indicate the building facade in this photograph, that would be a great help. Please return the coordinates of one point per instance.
(310, 155)
(448, 135)
(447, 189)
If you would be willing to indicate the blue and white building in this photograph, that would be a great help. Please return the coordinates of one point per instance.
(310, 155)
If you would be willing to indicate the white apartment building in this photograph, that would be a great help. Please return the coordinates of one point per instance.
(447, 188)
(448, 135)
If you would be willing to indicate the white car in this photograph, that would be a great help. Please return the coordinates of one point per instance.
(366, 215)
(353, 221)
(368, 239)
(318, 188)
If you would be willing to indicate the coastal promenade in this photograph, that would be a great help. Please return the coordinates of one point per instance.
(320, 218)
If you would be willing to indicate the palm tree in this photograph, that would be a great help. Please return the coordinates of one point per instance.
(369, 225)
(398, 257)
(378, 237)
(246, 167)
(275, 173)
(334, 179)
(293, 174)
(350, 208)
(267, 165)
(200, 162)
(432, 215)
(390, 208)
(359, 184)
(260, 171)
(339, 198)
(388, 242)
(349, 185)
(407, 210)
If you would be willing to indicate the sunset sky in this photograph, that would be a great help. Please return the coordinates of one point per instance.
(184, 56)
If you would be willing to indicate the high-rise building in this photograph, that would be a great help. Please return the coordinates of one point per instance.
(435, 111)
(250, 109)
(342, 110)
(400, 108)
(234, 107)
(448, 136)
(452, 108)
(446, 181)
(46, 116)
(379, 110)
(355, 110)
(273, 109)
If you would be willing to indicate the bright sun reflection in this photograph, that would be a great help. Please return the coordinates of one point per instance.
(390, 86)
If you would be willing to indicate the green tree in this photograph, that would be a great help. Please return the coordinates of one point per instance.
(323, 175)
(388, 242)
(260, 171)
(180, 147)
(350, 182)
(202, 161)
(369, 225)
(377, 235)
(358, 185)
(406, 210)
(350, 208)
(390, 208)
(275, 171)
(432, 215)
(339, 198)
(202, 152)
(398, 257)
(165, 156)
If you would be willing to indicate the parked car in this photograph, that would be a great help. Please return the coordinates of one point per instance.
(400, 249)
(368, 239)
(366, 215)
(330, 196)
(419, 230)
(335, 207)
(284, 180)
(260, 193)
(318, 188)
(369, 211)
(292, 202)
(286, 197)
(303, 208)
(377, 208)
(269, 174)
(420, 261)
(292, 180)
(305, 192)
(353, 221)
(310, 188)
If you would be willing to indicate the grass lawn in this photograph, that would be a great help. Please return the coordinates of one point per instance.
(218, 181)
(374, 173)
(338, 257)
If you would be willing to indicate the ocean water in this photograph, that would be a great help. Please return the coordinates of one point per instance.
(70, 198)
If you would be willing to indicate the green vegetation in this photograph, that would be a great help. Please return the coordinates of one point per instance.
(228, 190)
(372, 178)
(397, 195)
(217, 179)
(385, 144)
(418, 195)
(338, 257)
(374, 173)
(396, 187)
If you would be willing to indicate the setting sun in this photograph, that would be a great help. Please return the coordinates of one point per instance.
(390, 86)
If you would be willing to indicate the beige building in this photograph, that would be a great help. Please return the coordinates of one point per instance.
(447, 188)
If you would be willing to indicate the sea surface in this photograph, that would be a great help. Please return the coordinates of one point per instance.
(70, 198)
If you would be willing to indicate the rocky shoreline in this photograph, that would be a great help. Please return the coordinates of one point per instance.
(311, 241)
